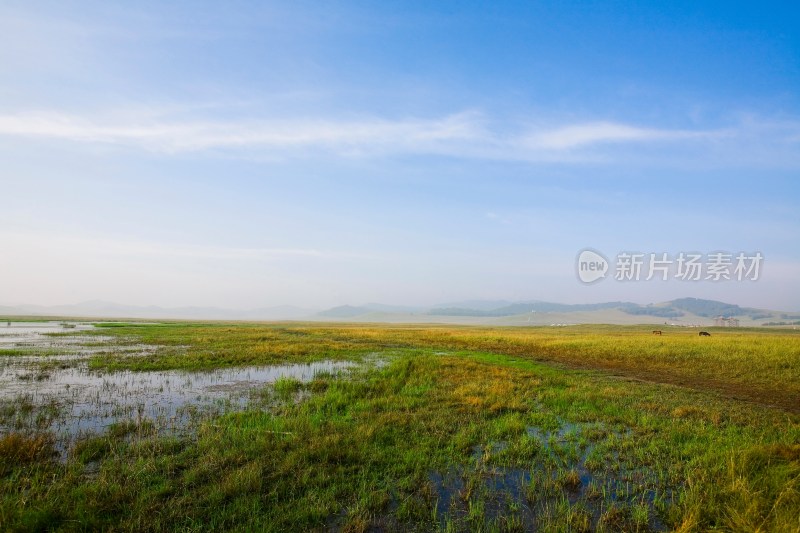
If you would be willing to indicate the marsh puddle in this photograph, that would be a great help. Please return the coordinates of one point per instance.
(33, 333)
(51, 338)
(71, 400)
(564, 471)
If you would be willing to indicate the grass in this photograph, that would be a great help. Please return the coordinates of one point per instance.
(16, 352)
(204, 346)
(464, 429)
(750, 364)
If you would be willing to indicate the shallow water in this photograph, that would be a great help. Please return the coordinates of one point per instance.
(561, 450)
(93, 400)
(71, 400)
(35, 334)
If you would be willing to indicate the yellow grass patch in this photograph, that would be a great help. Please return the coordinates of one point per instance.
(479, 386)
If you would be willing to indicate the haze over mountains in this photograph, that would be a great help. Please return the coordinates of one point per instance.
(682, 311)
(102, 309)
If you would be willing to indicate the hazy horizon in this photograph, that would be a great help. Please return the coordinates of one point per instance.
(264, 154)
(290, 310)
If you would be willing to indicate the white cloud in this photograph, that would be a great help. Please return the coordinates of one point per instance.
(466, 135)
(591, 133)
(166, 136)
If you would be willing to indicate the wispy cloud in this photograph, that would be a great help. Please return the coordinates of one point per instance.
(592, 133)
(468, 134)
(167, 136)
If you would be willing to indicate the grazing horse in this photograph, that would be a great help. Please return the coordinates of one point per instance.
(656, 332)
(704, 334)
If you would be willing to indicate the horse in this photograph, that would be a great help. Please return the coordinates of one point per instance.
(656, 332)
(704, 334)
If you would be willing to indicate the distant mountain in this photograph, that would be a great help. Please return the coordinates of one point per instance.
(498, 312)
(278, 312)
(654, 310)
(699, 307)
(383, 308)
(527, 307)
(345, 311)
(709, 308)
(671, 309)
(481, 305)
(551, 307)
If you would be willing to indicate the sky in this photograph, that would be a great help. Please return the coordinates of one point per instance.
(254, 154)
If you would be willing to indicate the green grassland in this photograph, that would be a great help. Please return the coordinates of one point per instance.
(581, 428)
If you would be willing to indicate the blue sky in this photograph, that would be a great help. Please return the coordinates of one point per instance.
(249, 154)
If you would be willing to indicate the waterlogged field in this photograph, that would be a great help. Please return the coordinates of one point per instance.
(285, 427)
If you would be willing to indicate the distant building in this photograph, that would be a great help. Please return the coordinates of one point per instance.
(726, 322)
